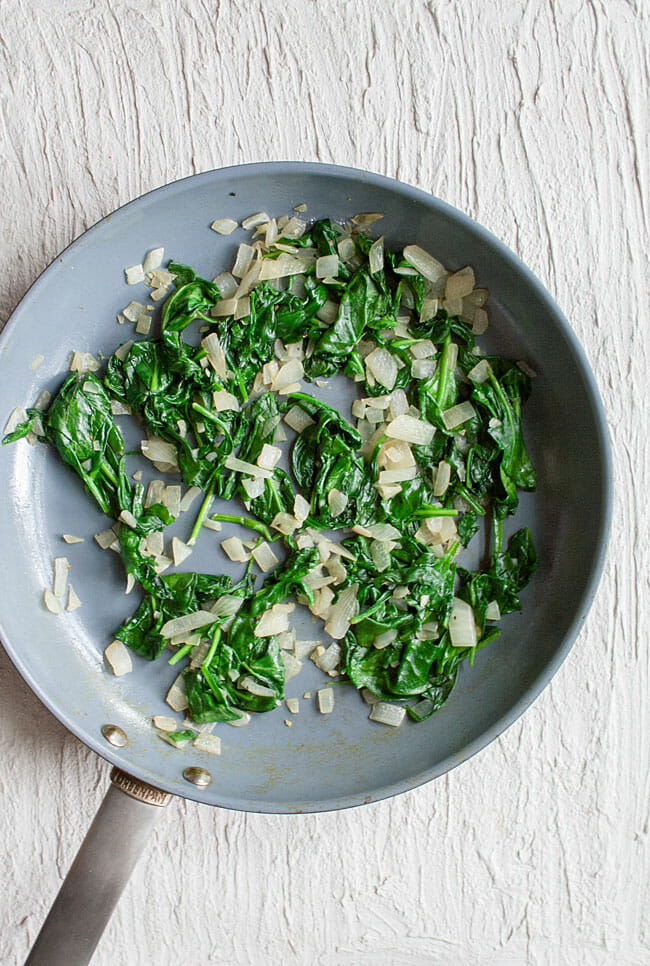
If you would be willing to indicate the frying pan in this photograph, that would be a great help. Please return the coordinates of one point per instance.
(324, 761)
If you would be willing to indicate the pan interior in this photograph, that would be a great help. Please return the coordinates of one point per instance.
(322, 761)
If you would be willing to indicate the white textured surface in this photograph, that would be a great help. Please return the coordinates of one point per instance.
(532, 117)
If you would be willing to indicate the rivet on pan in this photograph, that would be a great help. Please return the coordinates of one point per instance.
(198, 776)
(115, 735)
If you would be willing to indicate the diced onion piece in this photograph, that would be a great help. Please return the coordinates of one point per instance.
(376, 256)
(329, 660)
(411, 430)
(211, 744)
(383, 366)
(18, 416)
(273, 621)
(227, 285)
(341, 613)
(159, 451)
(301, 508)
(294, 228)
(284, 522)
(325, 700)
(180, 551)
(293, 705)
(119, 658)
(387, 714)
(224, 308)
(398, 403)
(292, 665)
(250, 469)
(337, 502)
(380, 556)
(366, 218)
(269, 456)
(243, 261)
(368, 696)
(240, 722)
(346, 249)
(164, 722)
(254, 488)
(250, 684)
(443, 475)
(327, 266)
(387, 477)
(458, 415)
(289, 373)
(176, 696)
(189, 498)
(423, 368)
(134, 274)
(383, 640)
(61, 568)
(155, 543)
(426, 264)
(281, 267)
(460, 284)
(297, 419)
(264, 557)
(224, 226)
(105, 538)
(127, 518)
(134, 312)
(84, 362)
(493, 611)
(52, 603)
(462, 627)
(153, 260)
(481, 371)
(388, 491)
(74, 603)
(328, 311)
(171, 498)
(215, 354)
(480, 323)
(252, 221)
(186, 623)
(234, 548)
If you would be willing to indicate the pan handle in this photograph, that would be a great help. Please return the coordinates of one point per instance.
(113, 845)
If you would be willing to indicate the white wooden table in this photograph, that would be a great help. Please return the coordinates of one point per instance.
(533, 118)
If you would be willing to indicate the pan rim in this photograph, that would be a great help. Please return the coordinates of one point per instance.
(603, 524)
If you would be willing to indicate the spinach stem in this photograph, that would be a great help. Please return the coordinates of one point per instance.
(246, 522)
(428, 511)
(180, 653)
(207, 660)
(201, 515)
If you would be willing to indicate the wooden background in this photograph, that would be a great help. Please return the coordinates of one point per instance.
(533, 118)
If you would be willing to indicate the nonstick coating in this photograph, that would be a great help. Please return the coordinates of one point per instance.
(323, 761)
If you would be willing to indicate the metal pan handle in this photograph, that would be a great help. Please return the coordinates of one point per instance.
(103, 865)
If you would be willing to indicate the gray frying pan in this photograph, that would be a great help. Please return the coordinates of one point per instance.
(324, 761)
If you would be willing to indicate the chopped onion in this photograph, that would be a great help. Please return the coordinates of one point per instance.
(273, 621)
(325, 700)
(119, 658)
(164, 722)
(61, 568)
(52, 603)
(364, 219)
(443, 476)
(423, 368)
(84, 361)
(426, 264)
(186, 623)
(296, 418)
(293, 705)
(282, 267)
(480, 323)
(460, 284)
(411, 430)
(180, 551)
(74, 603)
(337, 502)
(294, 228)
(387, 714)
(244, 260)
(224, 308)
(252, 221)
(458, 415)
(329, 660)
(105, 538)
(240, 722)
(171, 498)
(159, 451)
(227, 285)
(346, 249)
(227, 605)
(462, 627)
(254, 488)
(383, 640)
(224, 226)
(328, 311)
(398, 403)
(383, 366)
(176, 697)
(269, 456)
(327, 266)
(493, 611)
(387, 477)
(127, 518)
(380, 556)
(234, 548)
(214, 352)
(134, 274)
(250, 469)
(211, 744)
(481, 371)
(292, 665)
(343, 610)
(264, 557)
(189, 498)
(289, 373)
(376, 256)
(69, 538)
(301, 508)
(387, 492)
(250, 684)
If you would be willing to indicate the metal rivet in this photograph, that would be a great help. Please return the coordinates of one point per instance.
(198, 776)
(115, 735)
